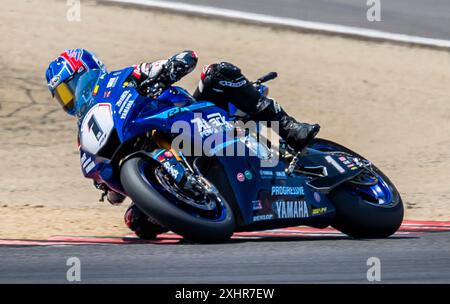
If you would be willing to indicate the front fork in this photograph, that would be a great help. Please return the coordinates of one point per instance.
(177, 166)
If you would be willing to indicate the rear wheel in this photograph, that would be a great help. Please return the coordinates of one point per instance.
(367, 207)
(200, 218)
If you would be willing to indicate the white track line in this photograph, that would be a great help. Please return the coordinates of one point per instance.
(287, 22)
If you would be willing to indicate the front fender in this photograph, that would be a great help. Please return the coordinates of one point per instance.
(141, 153)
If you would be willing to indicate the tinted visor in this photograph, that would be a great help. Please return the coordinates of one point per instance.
(65, 93)
(65, 96)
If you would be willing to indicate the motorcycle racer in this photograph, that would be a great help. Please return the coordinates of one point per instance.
(220, 83)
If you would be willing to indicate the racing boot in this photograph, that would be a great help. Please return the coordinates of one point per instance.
(141, 225)
(296, 134)
(224, 82)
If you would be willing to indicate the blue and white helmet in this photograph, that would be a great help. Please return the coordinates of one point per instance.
(64, 72)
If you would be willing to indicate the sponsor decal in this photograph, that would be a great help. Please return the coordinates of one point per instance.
(280, 175)
(233, 84)
(276, 106)
(76, 53)
(331, 161)
(171, 170)
(90, 167)
(257, 205)
(106, 94)
(290, 209)
(286, 190)
(168, 154)
(126, 109)
(240, 177)
(95, 91)
(175, 111)
(54, 81)
(123, 98)
(264, 217)
(214, 123)
(161, 158)
(112, 82)
(319, 211)
(266, 174)
(317, 197)
(87, 163)
(83, 158)
(348, 163)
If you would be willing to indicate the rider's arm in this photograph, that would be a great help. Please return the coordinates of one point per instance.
(154, 76)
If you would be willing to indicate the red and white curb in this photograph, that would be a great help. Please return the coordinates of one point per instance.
(407, 228)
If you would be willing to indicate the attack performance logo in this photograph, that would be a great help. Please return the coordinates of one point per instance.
(212, 125)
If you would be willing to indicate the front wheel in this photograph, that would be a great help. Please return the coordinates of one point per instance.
(368, 207)
(156, 195)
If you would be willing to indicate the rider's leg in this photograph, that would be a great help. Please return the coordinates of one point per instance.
(138, 222)
(224, 82)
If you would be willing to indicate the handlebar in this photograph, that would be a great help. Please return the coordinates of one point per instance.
(267, 77)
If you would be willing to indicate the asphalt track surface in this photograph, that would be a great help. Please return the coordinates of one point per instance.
(330, 258)
(423, 18)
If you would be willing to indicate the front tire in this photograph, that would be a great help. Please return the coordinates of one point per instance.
(359, 216)
(138, 180)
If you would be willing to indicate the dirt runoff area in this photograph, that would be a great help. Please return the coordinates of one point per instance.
(391, 103)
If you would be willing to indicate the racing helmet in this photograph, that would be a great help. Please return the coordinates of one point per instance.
(64, 72)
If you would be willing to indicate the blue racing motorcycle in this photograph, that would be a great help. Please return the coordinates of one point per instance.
(127, 142)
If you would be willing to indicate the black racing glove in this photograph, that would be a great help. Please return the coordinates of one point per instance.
(179, 66)
(172, 71)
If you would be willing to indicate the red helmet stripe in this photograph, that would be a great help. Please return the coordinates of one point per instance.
(72, 61)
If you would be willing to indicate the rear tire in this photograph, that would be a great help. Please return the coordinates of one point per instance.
(162, 208)
(357, 217)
